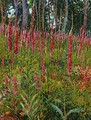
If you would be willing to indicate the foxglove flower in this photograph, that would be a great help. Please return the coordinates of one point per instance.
(70, 39)
(15, 85)
(38, 85)
(51, 48)
(33, 43)
(16, 44)
(7, 80)
(27, 40)
(36, 78)
(81, 41)
(43, 68)
(43, 78)
(43, 71)
(10, 36)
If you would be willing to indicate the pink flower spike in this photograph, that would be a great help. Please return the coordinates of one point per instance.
(16, 44)
(38, 85)
(43, 79)
(27, 40)
(36, 78)
(70, 39)
(43, 68)
(7, 80)
(10, 36)
(15, 85)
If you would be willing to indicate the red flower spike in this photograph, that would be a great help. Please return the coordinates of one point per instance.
(70, 39)
(15, 85)
(36, 78)
(7, 80)
(16, 44)
(43, 79)
(10, 36)
(38, 85)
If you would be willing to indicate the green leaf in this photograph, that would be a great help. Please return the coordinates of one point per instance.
(23, 106)
(58, 101)
(36, 109)
(25, 110)
(33, 98)
(24, 99)
(58, 110)
(76, 110)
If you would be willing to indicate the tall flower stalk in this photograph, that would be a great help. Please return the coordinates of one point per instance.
(52, 43)
(81, 40)
(7, 80)
(70, 39)
(15, 85)
(16, 44)
(32, 32)
(43, 71)
(10, 36)
(36, 80)
(27, 40)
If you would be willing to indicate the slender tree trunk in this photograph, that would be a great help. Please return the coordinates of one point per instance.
(39, 14)
(60, 22)
(16, 10)
(49, 14)
(25, 14)
(66, 16)
(37, 17)
(1, 13)
(72, 21)
(2, 10)
(85, 14)
(55, 13)
(43, 10)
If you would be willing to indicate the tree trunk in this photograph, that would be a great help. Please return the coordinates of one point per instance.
(49, 15)
(85, 14)
(43, 10)
(66, 16)
(2, 10)
(16, 10)
(25, 14)
(55, 13)
(37, 17)
(60, 22)
(39, 13)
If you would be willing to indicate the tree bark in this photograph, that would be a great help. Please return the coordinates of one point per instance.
(85, 14)
(43, 10)
(55, 13)
(60, 21)
(39, 13)
(37, 17)
(49, 15)
(25, 14)
(16, 10)
(2, 10)
(66, 16)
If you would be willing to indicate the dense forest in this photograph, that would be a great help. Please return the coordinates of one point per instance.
(63, 14)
